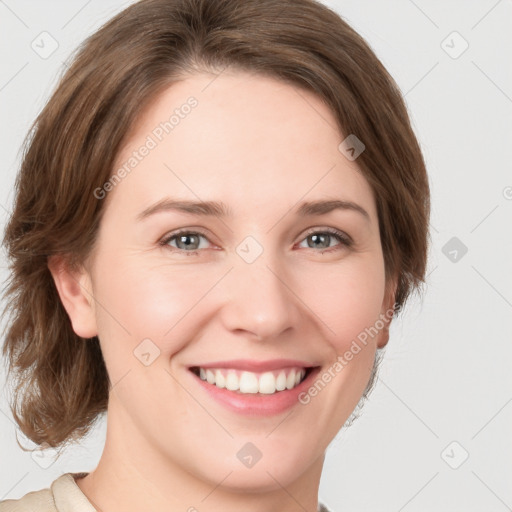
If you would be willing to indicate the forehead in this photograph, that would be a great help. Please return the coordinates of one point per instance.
(241, 138)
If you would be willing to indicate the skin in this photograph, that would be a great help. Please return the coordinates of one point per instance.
(260, 146)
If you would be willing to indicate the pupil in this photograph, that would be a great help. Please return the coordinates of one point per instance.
(185, 237)
(316, 237)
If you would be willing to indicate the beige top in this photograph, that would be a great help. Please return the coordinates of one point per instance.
(63, 495)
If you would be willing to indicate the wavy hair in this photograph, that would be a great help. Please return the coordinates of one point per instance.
(61, 384)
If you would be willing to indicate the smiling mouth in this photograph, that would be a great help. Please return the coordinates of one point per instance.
(245, 382)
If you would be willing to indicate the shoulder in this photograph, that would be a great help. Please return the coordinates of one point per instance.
(44, 500)
(40, 501)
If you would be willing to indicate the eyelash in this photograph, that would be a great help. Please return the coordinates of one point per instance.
(345, 240)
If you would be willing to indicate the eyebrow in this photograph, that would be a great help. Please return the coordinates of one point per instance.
(220, 210)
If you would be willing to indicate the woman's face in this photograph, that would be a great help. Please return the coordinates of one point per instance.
(265, 281)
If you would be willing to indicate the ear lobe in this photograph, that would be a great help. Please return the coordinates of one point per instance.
(388, 306)
(384, 335)
(75, 291)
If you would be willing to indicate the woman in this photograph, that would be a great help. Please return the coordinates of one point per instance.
(219, 211)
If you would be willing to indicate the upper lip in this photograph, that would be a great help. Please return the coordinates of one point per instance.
(256, 366)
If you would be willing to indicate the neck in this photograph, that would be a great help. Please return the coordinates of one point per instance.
(133, 475)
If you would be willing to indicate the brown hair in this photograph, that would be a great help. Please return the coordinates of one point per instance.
(62, 384)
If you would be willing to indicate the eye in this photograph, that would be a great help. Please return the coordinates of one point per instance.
(186, 241)
(189, 242)
(322, 238)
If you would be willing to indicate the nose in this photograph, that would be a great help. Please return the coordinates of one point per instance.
(260, 300)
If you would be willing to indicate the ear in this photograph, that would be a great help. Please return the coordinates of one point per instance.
(387, 311)
(75, 291)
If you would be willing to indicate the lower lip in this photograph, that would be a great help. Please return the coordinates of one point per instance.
(257, 404)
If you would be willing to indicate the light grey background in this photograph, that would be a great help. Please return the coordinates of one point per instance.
(445, 387)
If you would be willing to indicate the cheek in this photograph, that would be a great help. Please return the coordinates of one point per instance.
(167, 303)
(347, 298)
(150, 301)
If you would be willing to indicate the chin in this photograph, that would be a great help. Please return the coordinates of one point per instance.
(269, 473)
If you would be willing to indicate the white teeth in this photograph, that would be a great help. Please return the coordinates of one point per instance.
(290, 380)
(210, 376)
(267, 383)
(232, 382)
(220, 381)
(248, 382)
(281, 382)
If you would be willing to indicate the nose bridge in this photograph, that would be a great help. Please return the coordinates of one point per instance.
(261, 301)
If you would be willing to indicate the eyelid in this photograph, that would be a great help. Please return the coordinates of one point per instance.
(333, 231)
(344, 238)
(188, 231)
